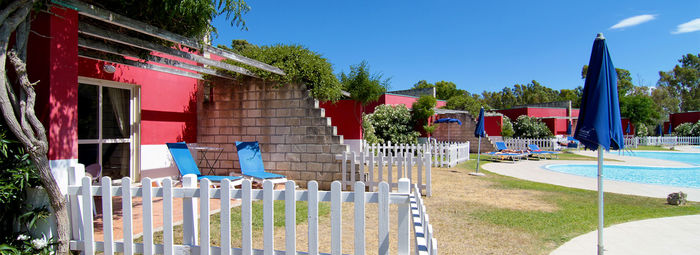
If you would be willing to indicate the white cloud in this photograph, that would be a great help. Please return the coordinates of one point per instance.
(690, 26)
(633, 21)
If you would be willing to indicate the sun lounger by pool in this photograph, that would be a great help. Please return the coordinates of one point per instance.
(252, 164)
(535, 150)
(504, 153)
(186, 165)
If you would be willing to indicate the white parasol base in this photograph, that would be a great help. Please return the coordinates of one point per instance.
(477, 174)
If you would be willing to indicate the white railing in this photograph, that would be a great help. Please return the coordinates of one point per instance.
(631, 142)
(444, 154)
(522, 143)
(83, 234)
(371, 169)
(669, 140)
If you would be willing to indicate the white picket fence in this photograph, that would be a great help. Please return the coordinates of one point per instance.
(522, 143)
(373, 170)
(668, 140)
(444, 154)
(411, 211)
(631, 142)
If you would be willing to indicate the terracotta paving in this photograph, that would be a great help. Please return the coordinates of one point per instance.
(137, 212)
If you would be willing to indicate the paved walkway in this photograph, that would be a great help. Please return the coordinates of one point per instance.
(672, 235)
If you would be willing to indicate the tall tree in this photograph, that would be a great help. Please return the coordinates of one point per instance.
(467, 102)
(18, 97)
(667, 99)
(444, 90)
(640, 109)
(684, 82)
(364, 86)
(624, 80)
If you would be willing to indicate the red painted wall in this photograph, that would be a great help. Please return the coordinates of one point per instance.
(346, 115)
(168, 102)
(624, 127)
(52, 59)
(493, 124)
(683, 117)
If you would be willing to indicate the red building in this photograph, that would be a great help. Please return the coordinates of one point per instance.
(346, 115)
(554, 115)
(676, 119)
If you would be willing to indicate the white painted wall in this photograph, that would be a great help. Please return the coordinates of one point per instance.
(156, 162)
(354, 144)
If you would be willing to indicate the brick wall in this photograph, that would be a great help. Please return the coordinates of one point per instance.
(295, 137)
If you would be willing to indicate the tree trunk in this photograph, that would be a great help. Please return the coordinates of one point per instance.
(18, 110)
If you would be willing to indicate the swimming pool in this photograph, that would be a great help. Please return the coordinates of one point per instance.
(685, 157)
(671, 176)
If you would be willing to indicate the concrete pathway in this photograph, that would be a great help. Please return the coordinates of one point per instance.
(672, 235)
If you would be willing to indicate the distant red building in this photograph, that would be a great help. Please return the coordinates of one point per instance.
(346, 115)
(676, 119)
(554, 115)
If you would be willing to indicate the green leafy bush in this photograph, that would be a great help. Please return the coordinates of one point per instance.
(687, 129)
(393, 123)
(641, 130)
(368, 133)
(507, 127)
(364, 87)
(17, 175)
(300, 64)
(526, 127)
(422, 109)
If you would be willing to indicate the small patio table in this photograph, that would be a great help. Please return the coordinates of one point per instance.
(205, 149)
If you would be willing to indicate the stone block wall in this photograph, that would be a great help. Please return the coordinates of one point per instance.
(456, 133)
(296, 139)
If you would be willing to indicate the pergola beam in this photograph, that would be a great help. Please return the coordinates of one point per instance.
(97, 32)
(128, 62)
(100, 46)
(135, 25)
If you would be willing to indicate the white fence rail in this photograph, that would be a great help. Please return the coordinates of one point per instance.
(669, 140)
(372, 169)
(522, 143)
(407, 199)
(444, 154)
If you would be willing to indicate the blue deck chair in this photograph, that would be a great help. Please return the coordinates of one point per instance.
(249, 156)
(186, 164)
(535, 150)
(503, 153)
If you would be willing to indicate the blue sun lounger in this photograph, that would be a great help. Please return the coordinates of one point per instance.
(535, 150)
(252, 163)
(503, 153)
(186, 164)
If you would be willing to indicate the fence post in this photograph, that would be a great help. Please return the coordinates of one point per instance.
(189, 212)
(404, 210)
(428, 180)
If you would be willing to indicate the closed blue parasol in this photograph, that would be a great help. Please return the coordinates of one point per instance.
(670, 128)
(628, 128)
(599, 124)
(568, 127)
(479, 132)
(659, 130)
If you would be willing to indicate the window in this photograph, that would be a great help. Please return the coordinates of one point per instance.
(108, 125)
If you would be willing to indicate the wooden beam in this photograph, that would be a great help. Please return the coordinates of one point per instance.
(97, 32)
(92, 55)
(100, 46)
(135, 25)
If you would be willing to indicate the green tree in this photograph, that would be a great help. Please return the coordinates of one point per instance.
(466, 102)
(527, 127)
(300, 64)
(573, 95)
(684, 82)
(393, 123)
(364, 87)
(639, 109)
(667, 99)
(422, 109)
(624, 80)
(507, 127)
(444, 90)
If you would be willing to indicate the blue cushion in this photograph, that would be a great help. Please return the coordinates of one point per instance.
(501, 146)
(183, 158)
(251, 161)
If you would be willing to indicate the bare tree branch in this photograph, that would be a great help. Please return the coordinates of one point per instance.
(11, 8)
(31, 126)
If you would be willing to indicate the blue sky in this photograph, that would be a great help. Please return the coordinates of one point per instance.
(479, 45)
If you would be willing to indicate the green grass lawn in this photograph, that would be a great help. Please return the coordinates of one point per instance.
(651, 148)
(257, 217)
(577, 209)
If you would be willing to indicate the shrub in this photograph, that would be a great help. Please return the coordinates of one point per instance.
(684, 129)
(300, 64)
(642, 130)
(507, 127)
(526, 127)
(368, 131)
(393, 123)
(423, 109)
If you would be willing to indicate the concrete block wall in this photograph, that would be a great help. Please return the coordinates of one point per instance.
(296, 139)
(456, 133)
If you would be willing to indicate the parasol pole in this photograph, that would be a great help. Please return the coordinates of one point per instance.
(601, 216)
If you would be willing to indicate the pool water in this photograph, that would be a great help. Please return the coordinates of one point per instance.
(671, 176)
(690, 158)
